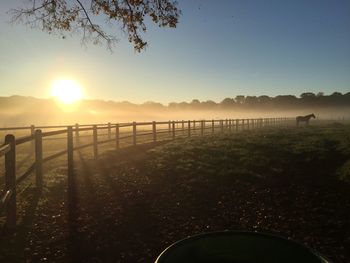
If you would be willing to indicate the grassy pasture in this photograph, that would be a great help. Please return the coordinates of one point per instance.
(134, 202)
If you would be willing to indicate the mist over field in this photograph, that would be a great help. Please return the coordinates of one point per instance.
(24, 111)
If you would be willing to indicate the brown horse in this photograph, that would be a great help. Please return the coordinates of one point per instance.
(305, 118)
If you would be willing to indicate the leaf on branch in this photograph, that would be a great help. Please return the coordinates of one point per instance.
(78, 16)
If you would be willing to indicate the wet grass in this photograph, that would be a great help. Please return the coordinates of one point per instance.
(132, 203)
(310, 152)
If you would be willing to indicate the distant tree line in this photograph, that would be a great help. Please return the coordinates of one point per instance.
(282, 102)
(306, 100)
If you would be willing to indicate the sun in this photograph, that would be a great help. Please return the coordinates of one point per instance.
(66, 91)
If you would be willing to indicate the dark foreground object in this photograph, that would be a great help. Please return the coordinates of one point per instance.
(232, 247)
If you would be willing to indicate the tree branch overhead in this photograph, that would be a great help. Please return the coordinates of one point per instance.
(79, 16)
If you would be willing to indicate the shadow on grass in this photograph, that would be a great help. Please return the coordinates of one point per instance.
(12, 245)
(98, 230)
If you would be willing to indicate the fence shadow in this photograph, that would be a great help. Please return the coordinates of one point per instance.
(12, 246)
(91, 202)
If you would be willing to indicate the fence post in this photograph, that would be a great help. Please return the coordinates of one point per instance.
(212, 126)
(117, 136)
(202, 127)
(189, 128)
(169, 127)
(109, 131)
(70, 159)
(248, 124)
(230, 125)
(134, 133)
(94, 134)
(32, 133)
(237, 123)
(222, 126)
(173, 129)
(154, 130)
(77, 133)
(10, 181)
(39, 160)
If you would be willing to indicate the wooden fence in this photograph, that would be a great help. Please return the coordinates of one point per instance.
(132, 132)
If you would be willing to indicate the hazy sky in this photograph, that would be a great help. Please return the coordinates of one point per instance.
(220, 49)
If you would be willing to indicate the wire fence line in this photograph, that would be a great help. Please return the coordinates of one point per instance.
(77, 138)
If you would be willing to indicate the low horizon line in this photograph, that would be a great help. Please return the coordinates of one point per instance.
(165, 104)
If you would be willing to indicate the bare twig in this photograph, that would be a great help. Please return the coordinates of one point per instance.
(57, 16)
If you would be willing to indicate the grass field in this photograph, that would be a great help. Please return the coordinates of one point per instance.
(132, 203)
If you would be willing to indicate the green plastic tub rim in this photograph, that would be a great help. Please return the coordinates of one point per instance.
(166, 254)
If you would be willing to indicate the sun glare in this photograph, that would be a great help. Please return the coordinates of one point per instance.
(66, 91)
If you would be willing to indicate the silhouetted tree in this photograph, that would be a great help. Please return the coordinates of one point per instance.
(307, 95)
(264, 99)
(240, 99)
(209, 104)
(78, 16)
(195, 102)
(251, 100)
(336, 94)
(227, 103)
(152, 105)
(308, 98)
(173, 105)
(286, 100)
(336, 98)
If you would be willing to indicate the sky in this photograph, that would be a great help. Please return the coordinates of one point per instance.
(219, 49)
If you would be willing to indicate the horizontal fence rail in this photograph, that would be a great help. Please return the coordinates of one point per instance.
(128, 133)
